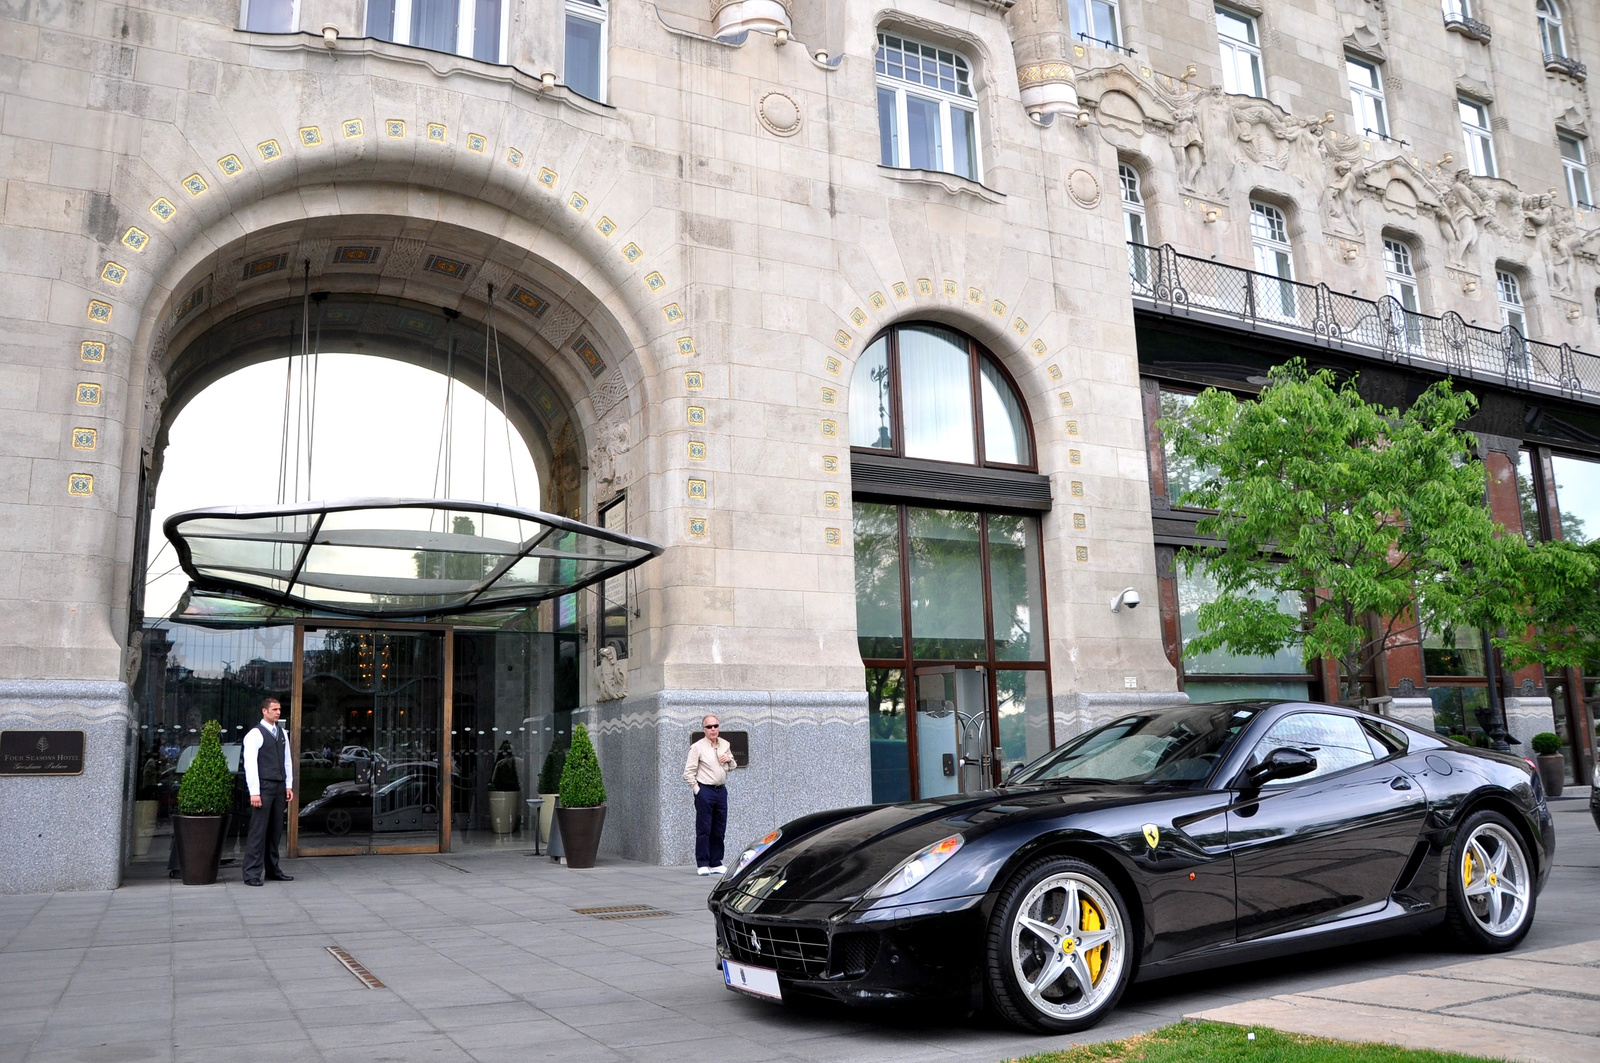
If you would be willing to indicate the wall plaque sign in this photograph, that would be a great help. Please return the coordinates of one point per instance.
(41, 752)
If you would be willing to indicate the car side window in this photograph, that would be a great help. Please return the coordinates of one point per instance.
(1338, 742)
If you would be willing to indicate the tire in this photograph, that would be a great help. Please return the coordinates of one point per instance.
(1049, 974)
(337, 822)
(1490, 885)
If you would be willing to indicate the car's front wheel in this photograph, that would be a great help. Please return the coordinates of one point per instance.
(1491, 885)
(1058, 947)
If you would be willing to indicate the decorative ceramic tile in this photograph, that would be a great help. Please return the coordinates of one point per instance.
(529, 301)
(263, 266)
(112, 273)
(230, 165)
(91, 351)
(632, 252)
(191, 302)
(84, 438)
(694, 380)
(546, 401)
(394, 128)
(353, 128)
(578, 203)
(136, 239)
(1080, 522)
(974, 296)
(830, 463)
(950, 289)
(1066, 399)
(924, 286)
(1074, 457)
(356, 255)
(697, 450)
(80, 483)
(607, 227)
(1039, 348)
(842, 339)
(591, 357)
(415, 324)
(163, 209)
(1019, 326)
(877, 300)
(99, 312)
(310, 136)
(88, 394)
(697, 527)
(514, 157)
(685, 345)
(1082, 553)
(697, 489)
(830, 500)
(1077, 489)
(547, 177)
(1072, 428)
(655, 281)
(858, 316)
(697, 415)
(830, 429)
(437, 133)
(1054, 371)
(477, 142)
(269, 150)
(453, 268)
(832, 536)
(997, 308)
(830, 397)
(832, 365)
(673, 312)
(195, 185)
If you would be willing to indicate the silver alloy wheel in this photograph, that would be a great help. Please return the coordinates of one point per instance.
(1495, 880)
(338, 821)
(1067, 946)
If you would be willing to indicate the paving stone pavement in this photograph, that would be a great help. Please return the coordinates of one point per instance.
(483, 959)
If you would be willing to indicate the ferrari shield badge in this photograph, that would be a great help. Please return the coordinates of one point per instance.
(1152, 834)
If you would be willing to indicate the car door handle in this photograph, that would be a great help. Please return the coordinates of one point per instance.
(1399, 782)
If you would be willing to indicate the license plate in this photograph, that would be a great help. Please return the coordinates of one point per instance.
(757, 981)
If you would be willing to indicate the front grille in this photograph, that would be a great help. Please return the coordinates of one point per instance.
(799, 952)
(853, 954)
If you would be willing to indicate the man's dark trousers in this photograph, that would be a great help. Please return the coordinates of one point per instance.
(266, 827)
(710, 822)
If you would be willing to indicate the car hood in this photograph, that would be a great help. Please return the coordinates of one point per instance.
(844, 859)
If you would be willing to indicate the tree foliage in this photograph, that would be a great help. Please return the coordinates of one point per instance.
(207, 787)
(550, 771)
(581, 785)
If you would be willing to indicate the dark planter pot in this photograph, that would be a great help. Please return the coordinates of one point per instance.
(199, 840)
(1552, 772)
(580, 833)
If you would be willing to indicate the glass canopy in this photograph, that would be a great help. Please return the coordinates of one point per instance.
(385, 558)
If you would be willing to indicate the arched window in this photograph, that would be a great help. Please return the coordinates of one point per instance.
(1274, 256)
(925, 391)
(585, 71)
(1551, 34)
(1400, 276)
(472, 28)
(1134, 229)
(927, 111)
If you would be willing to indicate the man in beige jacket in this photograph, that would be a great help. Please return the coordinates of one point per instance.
(706, 772)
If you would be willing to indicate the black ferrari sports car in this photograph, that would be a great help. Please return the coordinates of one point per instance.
(1160, 843)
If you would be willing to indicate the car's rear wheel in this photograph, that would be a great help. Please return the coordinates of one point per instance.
(1058, 947)
(338, 821)
(1491, 884)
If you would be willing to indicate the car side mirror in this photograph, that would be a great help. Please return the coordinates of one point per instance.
(1281, 763)
(1015, 769)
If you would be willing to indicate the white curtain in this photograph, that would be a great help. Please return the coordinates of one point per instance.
(936, 395)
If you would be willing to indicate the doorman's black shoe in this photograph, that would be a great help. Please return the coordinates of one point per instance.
(281, 878)
(252, 882)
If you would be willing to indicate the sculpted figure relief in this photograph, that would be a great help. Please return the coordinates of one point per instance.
(1344, 199)
(610, 676)
(612, 441)
(1458, 223)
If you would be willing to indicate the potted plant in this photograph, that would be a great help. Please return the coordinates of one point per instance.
(204, 799)
(147, 802)
(1552, 767)
(549, 786)
(505, 792)
(581, 812)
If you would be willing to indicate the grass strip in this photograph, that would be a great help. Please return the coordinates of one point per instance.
(1216, 1042)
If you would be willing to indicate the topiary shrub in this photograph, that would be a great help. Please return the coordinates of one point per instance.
(581, 785)
(1465, 740)
(550, 773)
(207, 787)
(504, 778)
(1546, 743)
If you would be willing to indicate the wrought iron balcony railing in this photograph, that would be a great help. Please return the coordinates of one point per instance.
(1470, 28)
(1380, 328)
(1560, 64)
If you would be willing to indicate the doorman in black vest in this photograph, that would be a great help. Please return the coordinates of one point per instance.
(269, 776)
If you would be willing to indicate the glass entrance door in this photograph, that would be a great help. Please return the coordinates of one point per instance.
(370, 732)
(954, 752)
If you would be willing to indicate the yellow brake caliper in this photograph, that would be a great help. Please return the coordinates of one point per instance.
(1092, 920)
(1466, 870)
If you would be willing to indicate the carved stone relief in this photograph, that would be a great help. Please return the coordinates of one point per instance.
(610, 676)
(612, 441)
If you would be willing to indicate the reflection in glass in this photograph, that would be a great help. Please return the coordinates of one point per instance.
(1005, 431)
(1199, 589)
(886, 718)
(1456, 709)
(964, 143)
(888, 128)
(1578, 497)
(870, 408)
(1460, 654)
(272, 16)
(953, 746)
(584, 42)
(878, 613)
(1014, 593)
(1183, 474)
(1204, 691)
(946, 585)
(1527, 497)
(1174, 748)
(486, 31)
(1024, 718)
(936, 394)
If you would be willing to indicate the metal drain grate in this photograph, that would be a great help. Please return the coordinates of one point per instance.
(452, 867)
(622, 911)
(368, 979)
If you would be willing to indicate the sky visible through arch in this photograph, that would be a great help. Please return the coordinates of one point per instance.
(378, 430)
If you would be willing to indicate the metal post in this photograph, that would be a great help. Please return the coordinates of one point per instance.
(1497, 706)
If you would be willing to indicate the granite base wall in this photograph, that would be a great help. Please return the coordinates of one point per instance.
(1084, 710)
(1526, 717)
(808, 751)
(67, 832)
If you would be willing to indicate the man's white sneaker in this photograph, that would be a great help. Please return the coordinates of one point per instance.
(703, 871)
(720, 869)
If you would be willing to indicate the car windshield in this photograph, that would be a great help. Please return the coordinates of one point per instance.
(1178, 747)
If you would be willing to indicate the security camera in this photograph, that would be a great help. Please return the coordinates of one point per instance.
(1129, 597)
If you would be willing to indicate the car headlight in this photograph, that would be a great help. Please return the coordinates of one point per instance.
(755, 849)
(1597, 778)
(914, 868)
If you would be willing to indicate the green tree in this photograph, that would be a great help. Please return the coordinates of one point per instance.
(581, 785)
(1374, 518)
(207, 787)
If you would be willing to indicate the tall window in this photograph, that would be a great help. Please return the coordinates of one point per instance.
(1095, 20)
(1241, 53)
(271, 16)
(1269, 241)
(1476, 137)
(927, 113)
(1510, 291)
(1366, 97)
(614, 591)
(1551, 34)
(1456, 9)
(586, 48)
(472, 28)
(1133, 226)
(1401, 278)
(1575, 167)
